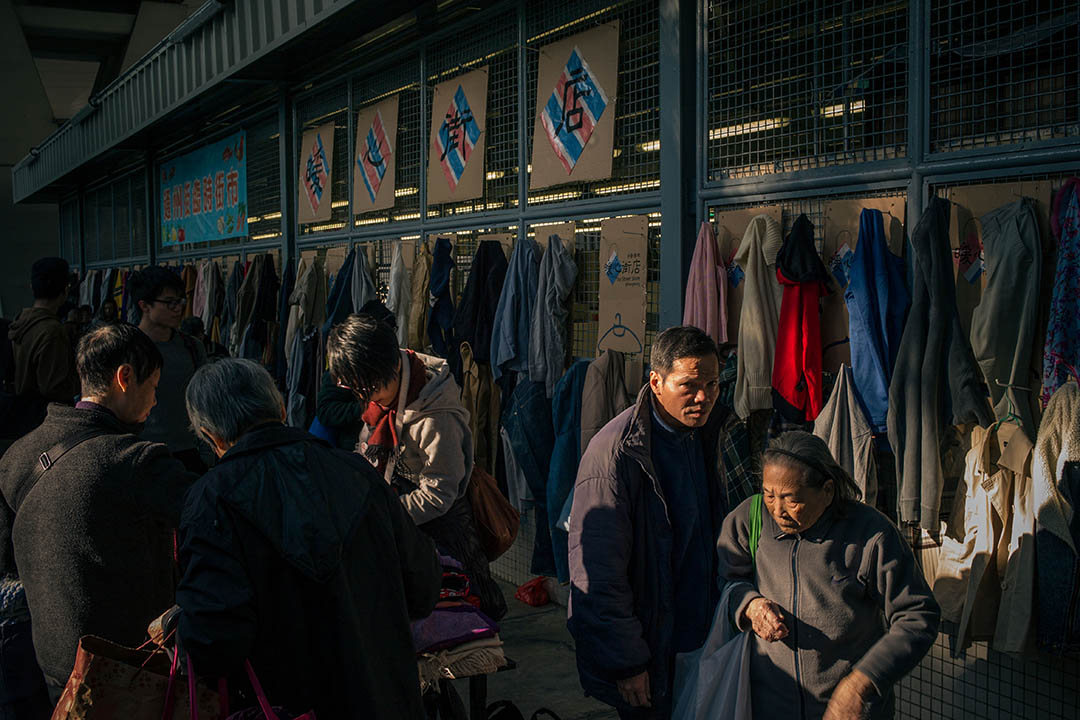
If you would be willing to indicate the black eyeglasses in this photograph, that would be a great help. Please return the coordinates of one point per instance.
(171, 303)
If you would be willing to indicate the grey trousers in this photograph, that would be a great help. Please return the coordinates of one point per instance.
(1003, 326)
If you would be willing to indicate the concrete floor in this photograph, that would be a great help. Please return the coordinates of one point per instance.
(546, 675)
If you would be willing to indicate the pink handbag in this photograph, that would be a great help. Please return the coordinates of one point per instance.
(264, 712)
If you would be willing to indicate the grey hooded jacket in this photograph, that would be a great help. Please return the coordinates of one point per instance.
(547, 341)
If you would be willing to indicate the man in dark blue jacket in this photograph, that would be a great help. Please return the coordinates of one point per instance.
(648, 504)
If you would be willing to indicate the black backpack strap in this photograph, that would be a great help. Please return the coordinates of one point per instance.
(48, 458)
(189, 343)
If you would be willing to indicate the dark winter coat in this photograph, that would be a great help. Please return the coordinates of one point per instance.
(300, 558)
(621, 542)
(474, 320)
(92, 540)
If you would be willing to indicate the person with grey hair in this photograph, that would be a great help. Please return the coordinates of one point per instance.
(839, 610)
(297, 557)
(648, 502)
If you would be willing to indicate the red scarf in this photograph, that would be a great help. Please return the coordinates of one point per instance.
(383, 420)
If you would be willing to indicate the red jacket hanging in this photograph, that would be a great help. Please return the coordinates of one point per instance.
(796, 378)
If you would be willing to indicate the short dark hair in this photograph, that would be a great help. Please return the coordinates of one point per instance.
(192, 326)
(49, 278)
(810, 456)
(104, 349)
(363, 354)
(675, 343)
(147, 284)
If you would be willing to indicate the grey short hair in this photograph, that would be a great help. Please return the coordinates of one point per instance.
(230, 397)
(810, 456)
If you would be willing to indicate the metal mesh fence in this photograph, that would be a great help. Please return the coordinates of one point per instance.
(140, 246)
(324, 106)
(792, 86)
(491, 42)
(636, 152)
(105, 223)
(263, 181)
(122, 218)
(69, 231)
(1003, 73)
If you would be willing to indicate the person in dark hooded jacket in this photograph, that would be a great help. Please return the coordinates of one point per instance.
(296, 557)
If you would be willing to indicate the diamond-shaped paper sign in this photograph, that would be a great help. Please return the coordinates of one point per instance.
(316, 173)
(572, 111)
(456, 138)
(613, 267)
(375, 157)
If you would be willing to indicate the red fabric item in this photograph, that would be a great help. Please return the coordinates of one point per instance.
(797, 364)
(533, 593)
(381, 419)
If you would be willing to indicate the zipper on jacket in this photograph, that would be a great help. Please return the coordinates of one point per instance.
(794, 623)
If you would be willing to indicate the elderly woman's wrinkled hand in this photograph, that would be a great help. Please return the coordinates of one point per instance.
(767, 619)
(851, 698)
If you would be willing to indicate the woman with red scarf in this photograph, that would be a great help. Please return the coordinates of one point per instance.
(416, 433)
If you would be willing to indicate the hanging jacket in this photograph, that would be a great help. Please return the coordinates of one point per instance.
(279, 349)
(513, 316)
(198, 298)
(480, 396)
(527, 420)
(230, 305)
(705, 306)
(307, 303)
(935, 376)
(565, 457)
(760, 316)
(1058, 581)
(843, 426)
(547, 337)
(339, 304)
(796, 378)
(606, 393)
(986, 577)
(474, 320)
(190, 277)
(441, 302)
(362, 287)
(399, 295)
(1003, 326)
(215, 294)
(418, 308)
(1063, 329)
(1058, 442)
(877, 301)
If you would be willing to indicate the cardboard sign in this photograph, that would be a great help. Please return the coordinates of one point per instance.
(576, 84)
(335, 258)
(969, 203)
(308, 255)
(458, 135)
(316, 174)
(624, 246)
(374, 164)
(730, 227)
(565, 231)
(841, 239)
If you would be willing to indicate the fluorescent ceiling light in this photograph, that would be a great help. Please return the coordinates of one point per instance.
(749, 128)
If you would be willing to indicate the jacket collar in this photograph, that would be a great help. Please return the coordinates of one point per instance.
(266, 436)
(91, 416)
(1014, 456)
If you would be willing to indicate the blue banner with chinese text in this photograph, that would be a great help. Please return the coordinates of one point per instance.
(203, 194)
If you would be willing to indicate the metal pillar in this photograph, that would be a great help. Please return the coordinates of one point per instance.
(678, 159)
(287, 178)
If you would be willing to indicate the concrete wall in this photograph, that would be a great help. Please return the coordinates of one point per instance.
(27, 232)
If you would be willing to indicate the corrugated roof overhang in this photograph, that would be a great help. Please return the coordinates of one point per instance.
(226, 50)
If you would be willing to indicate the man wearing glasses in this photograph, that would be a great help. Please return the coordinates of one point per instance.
(159, 294)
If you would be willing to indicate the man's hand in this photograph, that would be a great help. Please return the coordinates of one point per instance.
(635, 690)
(767, 619)
(851, 698)
(161, 627)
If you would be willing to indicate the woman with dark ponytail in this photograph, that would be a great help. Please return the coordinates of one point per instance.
(830, 589)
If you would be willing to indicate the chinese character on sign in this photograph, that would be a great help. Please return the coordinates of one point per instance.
(316, 173)
(177, 202)
(208, 194)
(166, 203)
(187, 199)
(232, 184)
(196, 196)
(456, 138)
(219, 189)
(573, 109)
(375, 158)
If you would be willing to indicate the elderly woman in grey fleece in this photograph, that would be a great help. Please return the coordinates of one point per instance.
(837, 605)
